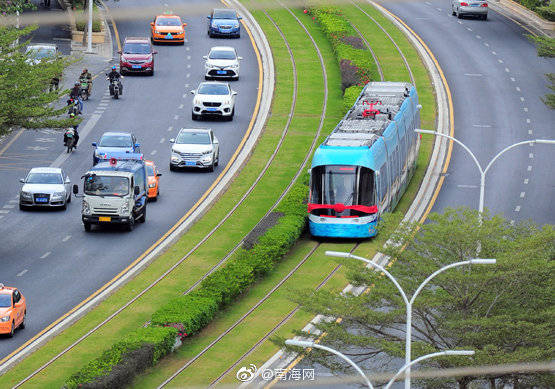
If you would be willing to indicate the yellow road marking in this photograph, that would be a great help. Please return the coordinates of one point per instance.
(442, 178)
(174, 227)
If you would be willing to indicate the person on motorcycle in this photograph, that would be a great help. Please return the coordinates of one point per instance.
(85, 75)
(75, 95)
(75, 133)
(114, 75)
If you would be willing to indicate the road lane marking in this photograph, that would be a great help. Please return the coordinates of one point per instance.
(66, 238)
(531, 155)
(189, 57)
(517, 88)
(525, 109)
(180, 106)
(481, 125)
(162, 140)
(9, 206)
(517, 209)
(486, 44)
(46, 254)
(468, 186)
(521, 98)
(187, 48)
(528, 121)
(473, 74)
(3, 211)
(526, 181)
(500, 60)
(478, 36)
(522, 194)
(175, 117)
(529, 168)
(507, 70)
(22, 272)
(494, 53)
(529, 132)
(469, 29)
(513, 79)
(184, 95)
(153, 152)
(188, 75)
(439, 9)
(188, 66)
(170, 128)
(13, 201)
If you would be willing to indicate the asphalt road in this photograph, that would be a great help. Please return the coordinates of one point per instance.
(47, 254)
(496, 80)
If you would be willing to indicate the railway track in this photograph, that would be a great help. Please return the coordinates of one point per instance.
(217, 227)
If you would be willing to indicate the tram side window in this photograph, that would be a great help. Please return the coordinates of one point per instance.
(382, 183)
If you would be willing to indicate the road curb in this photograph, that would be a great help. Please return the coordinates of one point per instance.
(419, 206)
(268, 84)
(524, 15)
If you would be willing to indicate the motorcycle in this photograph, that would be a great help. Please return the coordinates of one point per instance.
(115, 87)
(73, 107)
(70, 139)
(84, 88)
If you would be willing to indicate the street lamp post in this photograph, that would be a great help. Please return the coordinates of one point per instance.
(483, 172)
(409, 303)
(89, 32)
(304, 344)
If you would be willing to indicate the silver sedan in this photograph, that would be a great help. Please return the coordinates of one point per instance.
(45, 187)
(462, 8)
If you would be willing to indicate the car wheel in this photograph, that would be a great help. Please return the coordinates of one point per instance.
(211, 168)
(485, 17)
(64, 207)
(22, 207)
(87, 226)
(129, 227)
(217, 160)
(143, 216)
(459, 15)
(453, 11)
(151, 73)
(22, 325)
(172, 168)
(69, 199)
(155, 198)
(194, 116)
(12, 330)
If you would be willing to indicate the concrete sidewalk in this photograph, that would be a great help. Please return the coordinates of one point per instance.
(525, 16)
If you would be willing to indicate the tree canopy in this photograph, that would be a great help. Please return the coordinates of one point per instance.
(505, 312)
(24, 85)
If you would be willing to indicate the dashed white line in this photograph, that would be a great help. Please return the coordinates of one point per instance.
(188, 75)
(188, 57)
(525, 109)
(531, 144)
(494, 53)
(22, 272)
(529, 132)
(180, 106)
(13, 201)
(527, 120)
(513, 79)
(507, 70)
(428, 3)
(3, 211)
(188, 66)
(175, 117)
(531, 155)
(170, 128)
(469, 29)
(66, 238)
(478, 36)
(481, 125)
(162, 140)
(187, 85)
(500, 60)
(187, 48)
(529, 168)
(486, 44)
(517, 88)
(473, 74)
(522, 194)
(439, 9)
(184, 95)
(517, 209)
(9, 206)
(521, 98)
(46, 254)
(467, 186)
(459, 21)
(153, 152)
(526, 181)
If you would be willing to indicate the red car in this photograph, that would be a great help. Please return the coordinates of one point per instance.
(137, 56)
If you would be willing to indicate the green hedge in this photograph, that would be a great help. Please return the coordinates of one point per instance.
(547, 13)
(350, 96)
(355, 61)
(83, 26)
(185, 315)
(117, 366)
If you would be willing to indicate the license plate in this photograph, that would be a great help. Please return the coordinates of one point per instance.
(221, 72)
(41, 200)
(104, 219)
(136, 66)
(190, 163)
(474, 5)
(169, 36)
(212, 109)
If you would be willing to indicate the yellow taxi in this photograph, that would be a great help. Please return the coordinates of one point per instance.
(153, 178)
(167, 28)
(12, 310)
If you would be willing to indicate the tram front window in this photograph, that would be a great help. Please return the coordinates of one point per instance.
(347, 185)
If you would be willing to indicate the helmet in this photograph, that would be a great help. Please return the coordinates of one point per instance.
(72, 115)
(85, 70)
(76, 83)
(114, 67)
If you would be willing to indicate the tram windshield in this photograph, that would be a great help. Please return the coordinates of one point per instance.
(347, 185)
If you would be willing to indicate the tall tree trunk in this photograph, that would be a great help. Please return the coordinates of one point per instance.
(492, 383)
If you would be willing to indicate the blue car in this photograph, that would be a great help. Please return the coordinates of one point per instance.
(115, 142)
(224, 22)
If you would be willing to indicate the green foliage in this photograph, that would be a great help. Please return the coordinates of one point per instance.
(150, 344)
(504, 312)
(544, 45)
(24, 86)
(547, 13)
(549, 99)
(350, 96)
(185, 315)
(10, 7)
(83, 25)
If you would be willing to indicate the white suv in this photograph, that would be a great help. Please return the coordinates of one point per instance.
(222, 62)
(213, 99)
(195, 148)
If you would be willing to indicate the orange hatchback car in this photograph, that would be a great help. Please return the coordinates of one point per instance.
(168, 28)
(12, 310)
(153, 178)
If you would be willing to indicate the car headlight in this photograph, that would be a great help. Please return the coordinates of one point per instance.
(85, 208)
(5, 319)
(124, 210)
(175, 157)
(207, 152)
(197, 102)
(27, 195)
(234, 66)
(157, 32)
(59, 194)
(227, 102)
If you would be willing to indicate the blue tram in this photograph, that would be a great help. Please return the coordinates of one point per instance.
(362, 169)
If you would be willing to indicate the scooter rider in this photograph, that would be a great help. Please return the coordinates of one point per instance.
(75, 133)
(74, 94)
(115, 75)
(86, 75)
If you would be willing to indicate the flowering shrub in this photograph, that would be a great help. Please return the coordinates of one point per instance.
(8, 7)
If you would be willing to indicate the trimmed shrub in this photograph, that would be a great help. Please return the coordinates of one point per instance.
(547, 13)
(350, 96)
(117, 366)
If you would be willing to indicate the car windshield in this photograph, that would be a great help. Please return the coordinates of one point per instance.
(213, 89)
(44, 178)
(106, 185)
(222, 54)
(149, 170)
(224, 14)
(41, 52)
(168, 22)
(5, 300)
(136, 48)
(194, 138)
(115, 141)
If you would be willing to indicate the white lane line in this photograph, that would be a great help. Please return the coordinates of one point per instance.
(507, 70)
(494, 53)
(175, 117)
(513, 79)
(478, 36)
(529, 168)
(184, 95)
(66, 238)
(521, 98)
(187, 85)
(469, 29)
(1, 216)
(153, 152)
(188, 75)
(13, 201)
(46, 254)
(525, 109)
(531, 144)
(531, 155)
(529, 132)
(188, 66)
(97, 112)
(459, 21)
(467, 186)
(162, 140)
(486, 44)
(428, 3)
(526, 181)
(517, 88)
(188, 57)
(500, 60)
(170, 128)
(481, 125)
(9, 206)
(187, 48)
(527, 120)
(522, 194)
(186, 40)
(517, 209)
(439, 9)
(422, 18)
(22, 272)
(3, 211)
(180, 106)
(473, 74)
